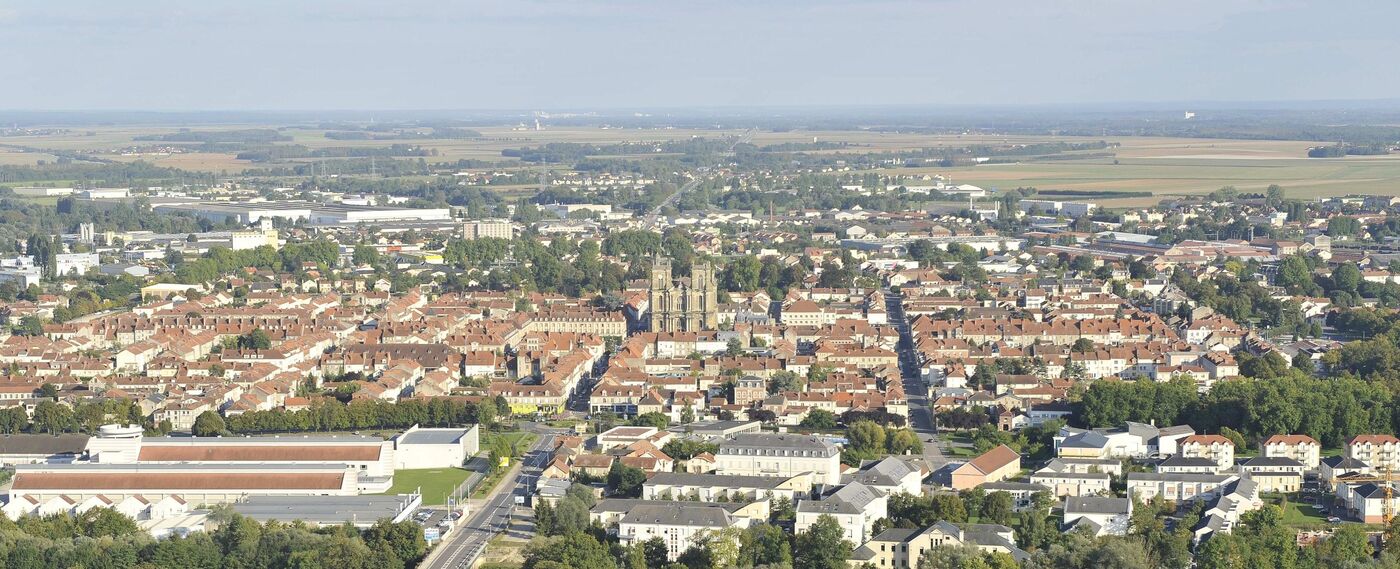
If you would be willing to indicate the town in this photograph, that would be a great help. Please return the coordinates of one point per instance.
(596, 284)
(580, 379)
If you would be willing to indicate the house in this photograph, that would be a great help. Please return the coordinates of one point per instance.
(1069, 479)
(994, 465)
(903, 547)
(855, 506)
(891, 476)
(1182, 464)
(1368, 502)
(1333, 468)
(1377, 451)
(1275, 474)
(1144, 486)
(1301, 448)
(1216, 448)
(594, 465)
(1102, 515)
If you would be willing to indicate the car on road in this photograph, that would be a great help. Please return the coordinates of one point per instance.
(1334, 519)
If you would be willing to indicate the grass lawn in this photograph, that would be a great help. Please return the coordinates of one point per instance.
(436, 483)
(1301, 515)
(520, 441)
(959, 445)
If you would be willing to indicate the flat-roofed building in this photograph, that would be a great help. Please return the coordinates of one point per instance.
(34, 449)
(435, 448)
(194, 483)
(327, 511)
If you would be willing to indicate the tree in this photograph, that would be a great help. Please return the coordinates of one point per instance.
(1295, 275)
(866, 436)
(625, 481)
(1273, 196)
(734, 347)
(1348, 544)
(1082, 346)
(1346, 277)
(783, 381)
(822, 546)
(764, 544)
(575, 550)
(820, 419)
(997, 508)
(404, 539)
(255, 340)
(652, 419)
(365, 255)
(655, 553)
(208, 424)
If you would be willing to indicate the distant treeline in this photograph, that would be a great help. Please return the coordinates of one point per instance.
(107, 173)
(438, 133)
(1092, 194)
(252, 135)
(278, 152)
(1340, 150)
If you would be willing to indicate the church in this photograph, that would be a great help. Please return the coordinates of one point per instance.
(683, 304)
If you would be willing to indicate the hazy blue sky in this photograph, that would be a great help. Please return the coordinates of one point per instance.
(568, 54)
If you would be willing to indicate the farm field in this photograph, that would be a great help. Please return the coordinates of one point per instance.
(1160, 165)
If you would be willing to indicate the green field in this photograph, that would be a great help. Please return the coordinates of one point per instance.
(1161, 165)
(436, 484)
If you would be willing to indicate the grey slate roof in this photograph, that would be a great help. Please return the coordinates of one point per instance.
(22, 444)
(1096, 505)
(777, 445)
(695, 515)
(713, 480)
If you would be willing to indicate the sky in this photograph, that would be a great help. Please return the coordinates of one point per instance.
(562, 55)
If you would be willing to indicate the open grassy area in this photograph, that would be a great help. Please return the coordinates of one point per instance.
(959, 445)
(1298, 514)
(436, 484)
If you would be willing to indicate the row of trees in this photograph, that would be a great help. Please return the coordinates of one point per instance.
(331, 415)
(103, 538)
(759, 546)
(1330, 410)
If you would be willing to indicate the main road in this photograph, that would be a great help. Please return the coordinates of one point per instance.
(462, 546)
(921, 417)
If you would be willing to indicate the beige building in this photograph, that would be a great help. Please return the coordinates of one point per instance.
(494, 228)
(684, 304)
(992, 466)
(1301, 448)
(1377, 451)
(1214, 448)
(781, 455)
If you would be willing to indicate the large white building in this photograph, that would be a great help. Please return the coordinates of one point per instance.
(434, 448)
(780, 455)
(855, 506)
(679, 525)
